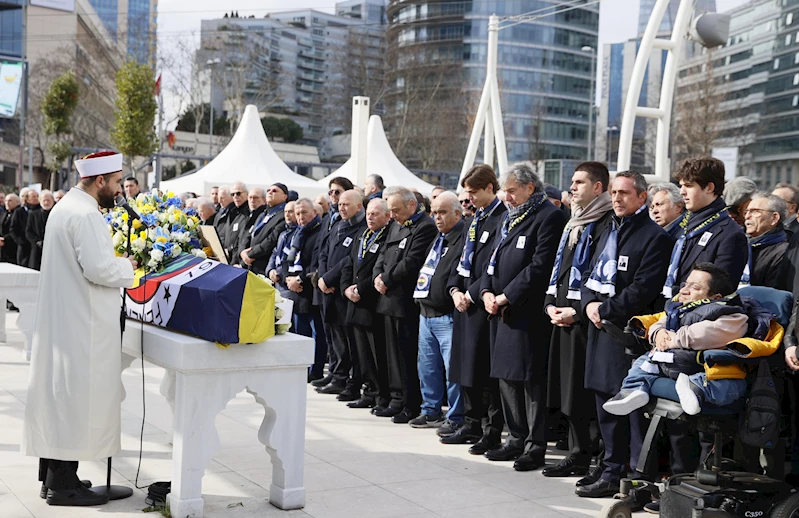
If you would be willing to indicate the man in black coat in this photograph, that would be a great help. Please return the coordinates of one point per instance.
(260, 241)
(513, 292)
(367, 326)
(626, 271)
(237, 219)
(34, 229)
(298, 274)
(206, 211)
(19, 223)
(767, 239)
(436, 319)
(225, 214)
(394, 276)
(256, 205)
(470, 361)
(347, 379)
(331, 218)
(281, 251)
(592, 211)
(789, 193)
(8, 253)
(373, 187)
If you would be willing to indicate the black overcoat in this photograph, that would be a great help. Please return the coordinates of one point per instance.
(319, 264)
(470, 331)
(303, 301)
(520, 339)
(8, 254)
(767, 265)
(363, 311)
(19, 223)
(263, 241)
(34, 232)
(340, 243)
(647, 248)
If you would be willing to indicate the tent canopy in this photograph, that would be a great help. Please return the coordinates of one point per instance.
(247, 158)
(380, 159)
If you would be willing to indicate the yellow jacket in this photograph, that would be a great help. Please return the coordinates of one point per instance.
(742, 347)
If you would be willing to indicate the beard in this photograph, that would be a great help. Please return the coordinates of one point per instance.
(107, 198)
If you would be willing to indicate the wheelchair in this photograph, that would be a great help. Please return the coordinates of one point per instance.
(720, 488)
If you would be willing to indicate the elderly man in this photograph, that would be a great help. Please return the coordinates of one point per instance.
(236, 219)
(56, 196)
(467, 207)
(394, 276)
(436, 319)
(566, 374)
(224, 214)
(437, 190)
(20, 222)
(666, 207)
(131, 187)
(470, 360)
(256, 205)
(8, 253)
(367, 326)
(346, 373)
(281, 250)
(206, 211)
(768, 240)
(513, 291)
(373, 187)
(626, 271)
(789, 193)
(261, 239)
(321, 200)
(34, 229)
(737, 194)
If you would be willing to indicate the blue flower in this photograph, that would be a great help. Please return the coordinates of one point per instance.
(109, 218)
(150, 220)
(190, 211)
(194, 243)
(174, 202)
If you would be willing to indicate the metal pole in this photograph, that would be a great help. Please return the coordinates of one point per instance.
(591, 106)
(491, 79)
(211, 125)
(23, 114)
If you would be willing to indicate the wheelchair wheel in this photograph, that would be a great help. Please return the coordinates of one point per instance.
(617, 509)
(788, 508)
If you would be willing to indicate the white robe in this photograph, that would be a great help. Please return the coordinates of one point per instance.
(75, 389)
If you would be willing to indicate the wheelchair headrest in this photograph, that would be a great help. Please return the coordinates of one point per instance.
(779, 302)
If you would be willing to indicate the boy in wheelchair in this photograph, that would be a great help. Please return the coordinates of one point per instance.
(706, 314)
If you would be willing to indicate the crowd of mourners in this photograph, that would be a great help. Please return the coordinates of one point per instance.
(496, 308)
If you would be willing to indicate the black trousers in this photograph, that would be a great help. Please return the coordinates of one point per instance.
(482, 402)
(346, 370)
(402, 350)
(525, 410)
(623, 437)
(59, 474)
(372, 361)
(583, 437)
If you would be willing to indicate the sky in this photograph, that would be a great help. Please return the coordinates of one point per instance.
(180, 19)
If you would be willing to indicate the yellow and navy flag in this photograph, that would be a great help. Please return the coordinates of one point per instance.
(205, 298)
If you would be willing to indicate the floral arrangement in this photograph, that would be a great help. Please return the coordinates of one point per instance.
(283, 309)
(165, 230)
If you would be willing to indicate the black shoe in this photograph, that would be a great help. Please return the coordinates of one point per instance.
(388, 411)
(448, 428)
(594, 473)
(348, 396)
(464, 435)
(364, 402)
(403, 417)
(653, 507)
(529, 461)
(331, 388)
(11, 307)
(600, 489)
(43, 492)
(321, 382)
(484, 445)
(427, 421)
(568, 467)
(505, 453)
(313, 377)
(81, 496)
(562, 445)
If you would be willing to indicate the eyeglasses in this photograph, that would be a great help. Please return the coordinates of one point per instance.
(331, 192)
(747, 211)
(237, 193)
(691, 286)
(465, 202)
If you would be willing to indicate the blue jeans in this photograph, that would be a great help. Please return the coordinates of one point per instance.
(435, 345)
(310, 324)
(716, 392)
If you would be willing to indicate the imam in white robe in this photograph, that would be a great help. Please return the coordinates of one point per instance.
(75, 389)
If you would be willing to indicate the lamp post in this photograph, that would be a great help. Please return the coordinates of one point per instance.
(210, 64)
(609, 143)
(592, 50)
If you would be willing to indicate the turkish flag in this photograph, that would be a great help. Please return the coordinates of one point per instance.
(158, 86)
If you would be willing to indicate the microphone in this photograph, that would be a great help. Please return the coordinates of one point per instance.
(120, 201)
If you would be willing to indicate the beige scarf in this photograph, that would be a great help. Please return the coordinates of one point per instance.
(591, 213)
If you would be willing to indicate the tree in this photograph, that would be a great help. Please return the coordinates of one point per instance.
(58, 107)
(134, 127)
(188, 121)
(284, 129)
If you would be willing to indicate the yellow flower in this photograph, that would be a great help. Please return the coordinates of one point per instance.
(143, 234)
(125, 217)
(170, 194)
(161, 239)
(136, 224)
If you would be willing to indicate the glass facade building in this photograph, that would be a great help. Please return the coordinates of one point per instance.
(139, 34)
(647, 6)
(11, 30)
(108, 12)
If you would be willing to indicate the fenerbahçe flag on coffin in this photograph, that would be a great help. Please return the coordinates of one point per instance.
(204, 298)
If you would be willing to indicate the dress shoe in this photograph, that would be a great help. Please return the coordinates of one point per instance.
(403, 417)
(321, 382)
(427, 421)
(594, 474)
(600, 489)
(43, 493)
(562, 445)
(464, 435)
(529, 461)
(364, 402)
(80, 496)
(568, 467)
(448, 428)
(505, 453)
(348, 396)
(331, 388)
(484, 445)
(388, 411)
(313, 377)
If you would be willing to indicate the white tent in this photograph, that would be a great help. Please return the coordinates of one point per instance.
(247, 158)
(380, 159)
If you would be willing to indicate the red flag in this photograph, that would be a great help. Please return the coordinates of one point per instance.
(158, 86)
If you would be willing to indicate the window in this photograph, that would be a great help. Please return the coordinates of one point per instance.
(789, 19)
(796, 59)
(787, 39)
(795, 100)
(777, 64)
(796, 79)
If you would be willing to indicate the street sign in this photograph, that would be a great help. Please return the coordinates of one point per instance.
(61, 5)
(10, 82)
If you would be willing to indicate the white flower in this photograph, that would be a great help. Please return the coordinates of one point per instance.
(199, 253)
(118, 239)
(138, 244)
(189, 223)
(156, 255)
(173, 219)
(141, 198)
(152, 264)
(175, 250)
(162, 216)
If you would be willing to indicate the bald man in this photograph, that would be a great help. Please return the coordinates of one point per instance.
(256, 203)
(236, 220)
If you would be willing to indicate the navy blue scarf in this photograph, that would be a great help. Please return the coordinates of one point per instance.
(521, 212)
(465, 264)
(580, 260)
(297, 240)
(265, 216)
